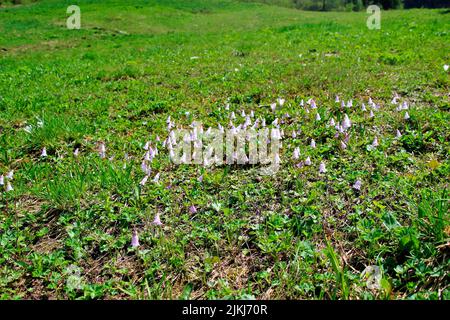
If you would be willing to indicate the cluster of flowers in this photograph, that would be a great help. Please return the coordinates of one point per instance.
(151, 151)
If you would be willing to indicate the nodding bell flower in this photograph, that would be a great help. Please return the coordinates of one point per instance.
(2, 180)
(446, 67)
(346, 137)
(9, 187)
(158, 139)
(252, 114)
(313, 143)
(10, 175)
(135, 239)
(157, 220)
(405, 105)
(302, 103)
(102, 150)
(273, 106)
(200, 179)
(342, 104)
(44, 152)
(398, 134)
(350, 103)
(294, 134)
(308, 161)
(371, 115)
(357, 185)
(346, 123)
(406, 117)
(318, 118)
(370, 101)
(243, 113)
(322, 168)
(332, 122)
(146, 169)
(233, 115)
(147, 145)
(76, 152)
(337, 99)
(375, 142)
(263, 122)
(227, 106)
(296, 153)
(156, 177)
(313, 104)
(363, 107)
(143, 181)
(192, 209)
(343, 145)
(281, 101)
(275, 122)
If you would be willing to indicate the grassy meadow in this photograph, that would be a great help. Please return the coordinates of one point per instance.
(67, 215)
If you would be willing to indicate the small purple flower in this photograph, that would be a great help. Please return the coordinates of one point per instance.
(192, 209)
(322, 168)
(200, 179)
(313, 143)
(2, 180)
(398, 134)
(357, 185)
(44, 152)
(135, 239)
(375, 142)
(296, 153)
(406, 115)
(143, 181)
(157, 220)
(9, 187)
(308, 161)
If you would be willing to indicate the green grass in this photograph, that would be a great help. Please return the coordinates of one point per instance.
(297, 235)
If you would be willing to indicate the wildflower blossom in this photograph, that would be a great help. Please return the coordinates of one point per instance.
(192, 209)
(332, 122)
(346, 123)
(157, 220)
(296, 153)
(322, 168)
(375, 142)
(143, 181)
(135, 239)
(9, 187)
(357, 185)
(308, 161)
(406, 117)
